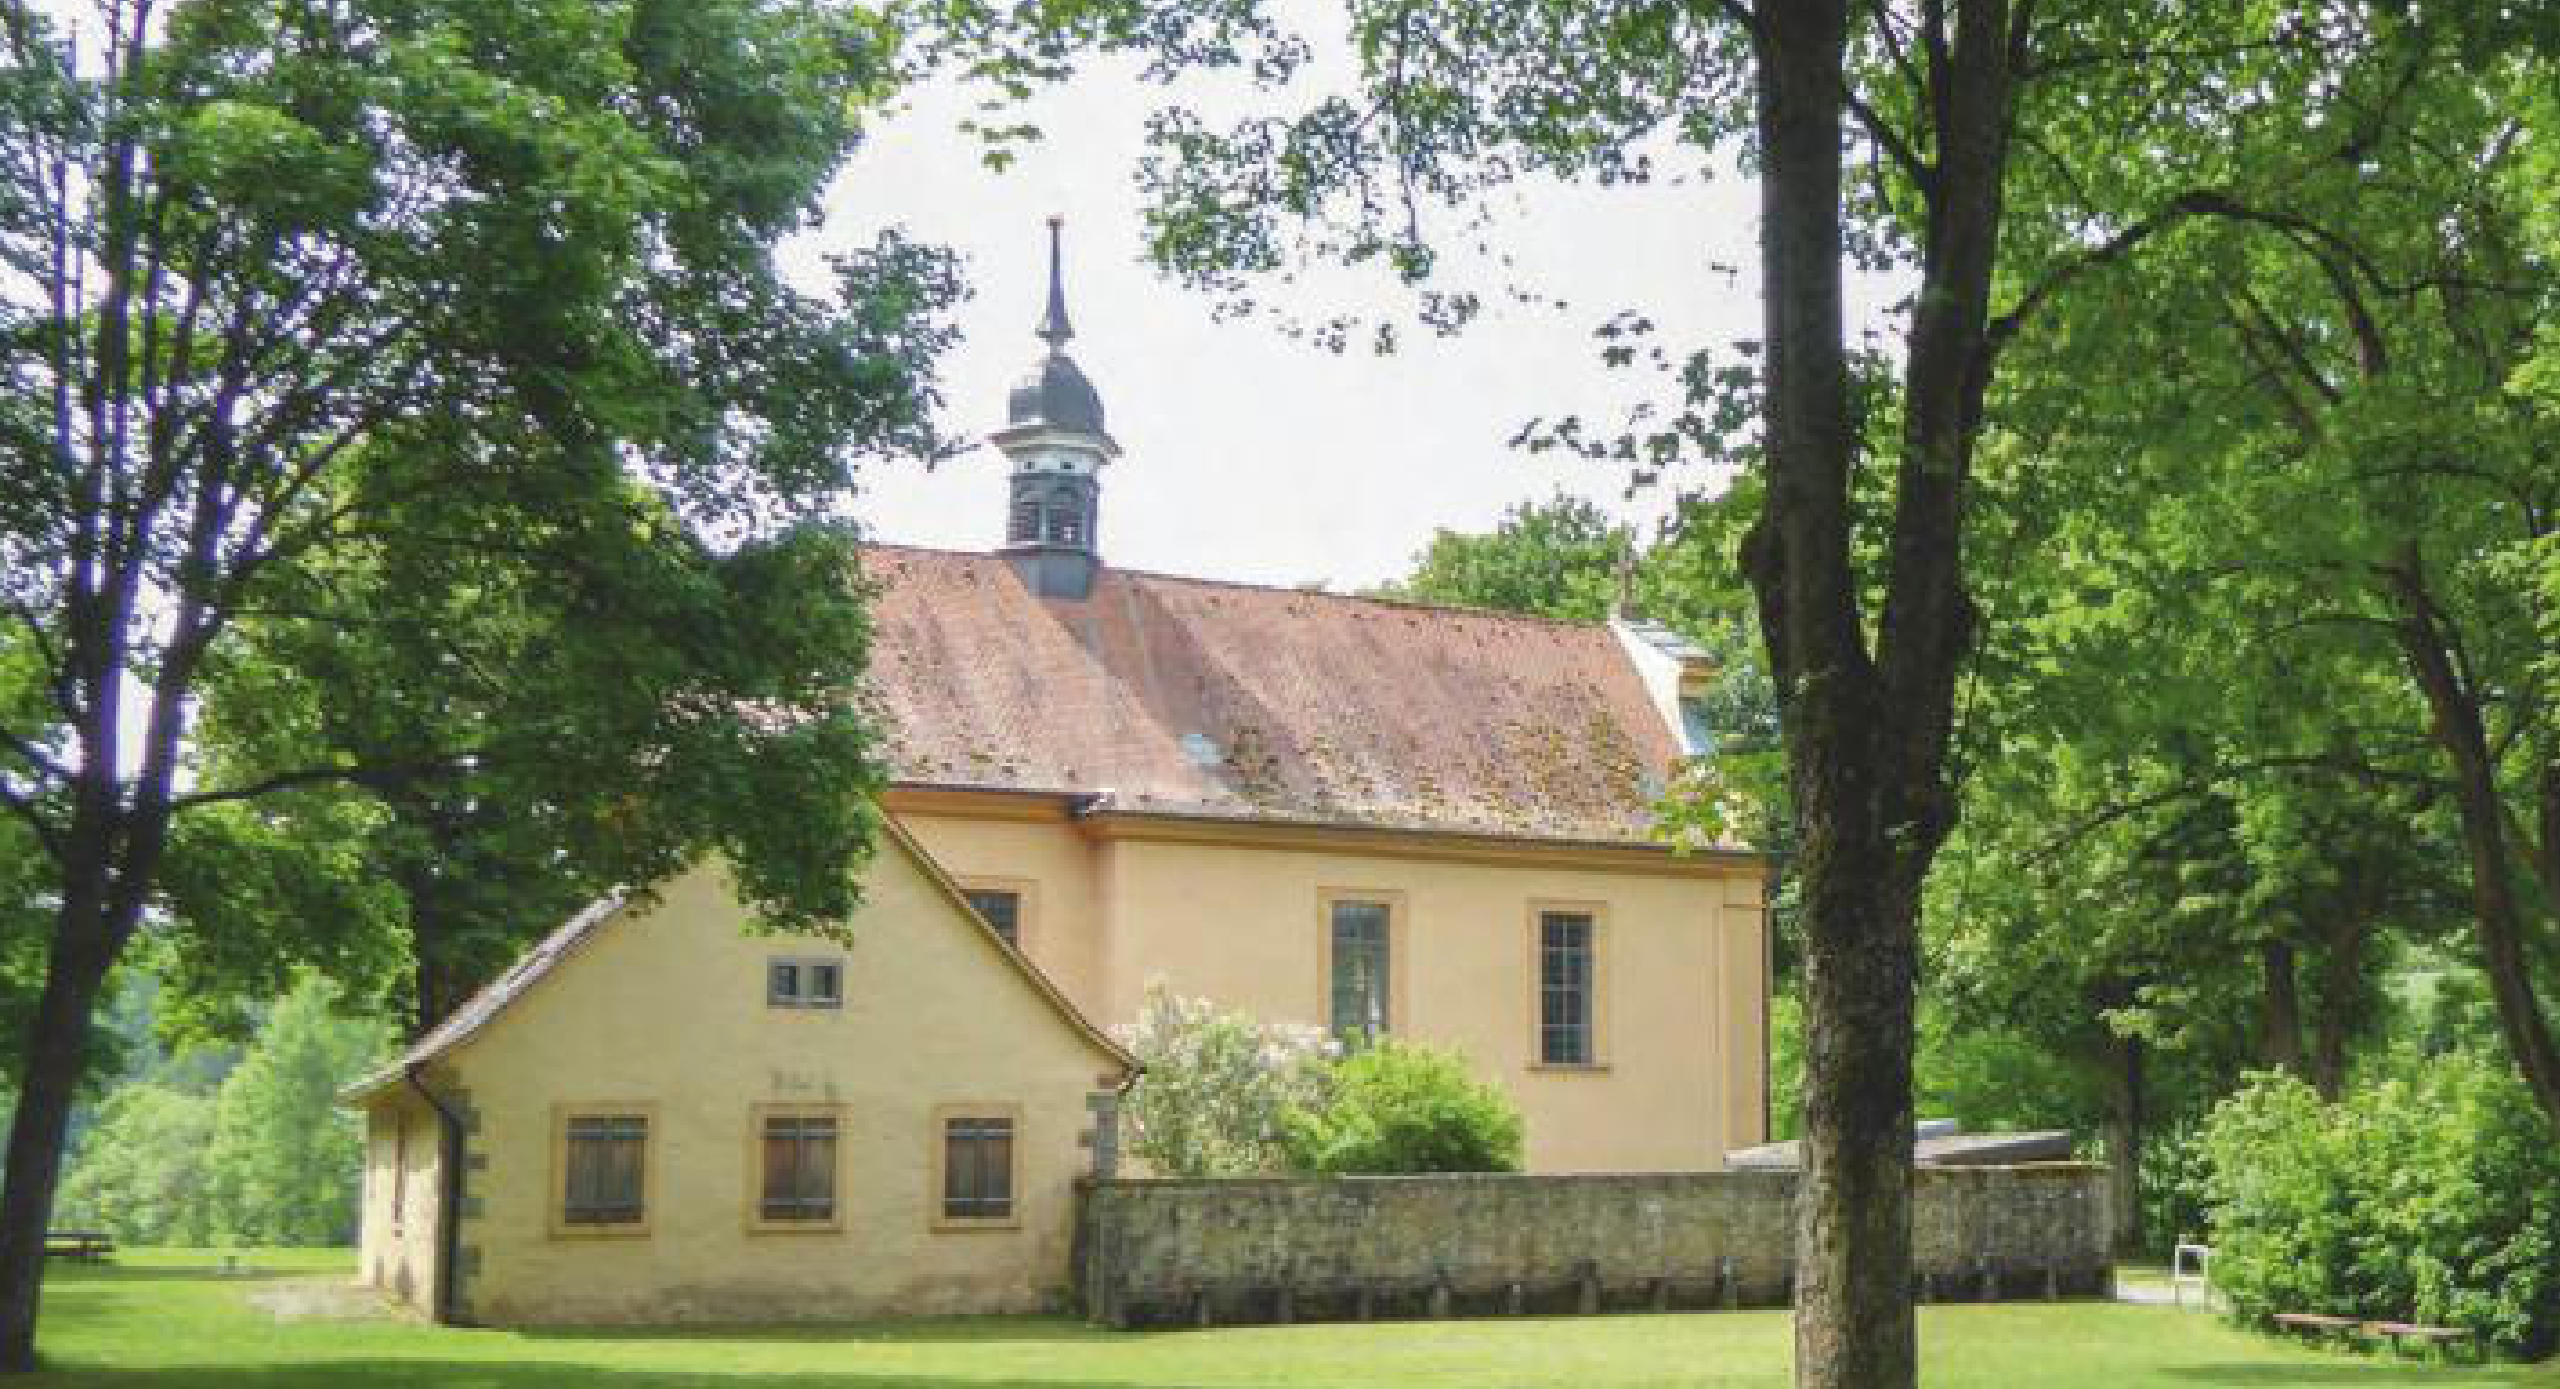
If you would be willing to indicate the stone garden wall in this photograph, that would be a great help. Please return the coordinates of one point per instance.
(1159, 1252)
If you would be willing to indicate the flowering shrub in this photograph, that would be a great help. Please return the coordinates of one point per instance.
(1217, 1087)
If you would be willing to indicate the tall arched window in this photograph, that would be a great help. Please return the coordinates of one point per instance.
(1024, 528)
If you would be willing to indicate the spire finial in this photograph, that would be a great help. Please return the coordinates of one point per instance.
(1054, 326)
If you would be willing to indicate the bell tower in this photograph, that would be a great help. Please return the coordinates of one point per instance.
(1055, 438)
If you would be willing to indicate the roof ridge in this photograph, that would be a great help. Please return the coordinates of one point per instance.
(1376, 599)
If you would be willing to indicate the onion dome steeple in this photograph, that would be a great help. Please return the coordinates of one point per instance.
(1055, 437)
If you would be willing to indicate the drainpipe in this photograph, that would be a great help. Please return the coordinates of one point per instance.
(449, 1205)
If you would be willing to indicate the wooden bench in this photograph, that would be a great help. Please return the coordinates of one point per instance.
(2398, 1333)
(2318, 1326)
(2428, 1338)
(88, 1246)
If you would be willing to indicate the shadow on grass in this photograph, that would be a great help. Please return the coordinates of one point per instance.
(2377, 1372)
(103, 1275)
(989, 1330)
(425, 1373)
(434, 1373)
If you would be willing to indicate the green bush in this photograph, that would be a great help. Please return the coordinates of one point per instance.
(2434, 1199)
(1404, 1109)
(2176, 1202)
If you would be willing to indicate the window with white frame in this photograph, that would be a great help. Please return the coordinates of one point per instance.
(1567, 946)
(804, 982)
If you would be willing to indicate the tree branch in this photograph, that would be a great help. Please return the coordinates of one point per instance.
(369, 778)
(23, 806)
(2114, 248)
(2208, 780)
(35, 756)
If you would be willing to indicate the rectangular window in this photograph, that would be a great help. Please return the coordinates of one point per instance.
(1359, 964)
(1565, 994)
(799, 1169)
(605, 1178)
(1002, 907)
(804, 983)
(977, 1168)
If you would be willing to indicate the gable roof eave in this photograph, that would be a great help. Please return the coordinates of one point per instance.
(1031, 973)
(491, 1000)
(495, 998)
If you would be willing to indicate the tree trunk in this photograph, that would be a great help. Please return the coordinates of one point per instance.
(436, 991)
(55, 1058)
(438, 983)
(2123, 1135)
(1866, 736)
(2341, 977)
(2497, 915)
(1854, 1325)
(2279, 1008)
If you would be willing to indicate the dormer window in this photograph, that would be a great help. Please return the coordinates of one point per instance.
(798, 982)
(1697, 723)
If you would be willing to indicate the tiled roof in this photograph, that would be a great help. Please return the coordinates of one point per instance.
(1185, 696)
(482, 1008)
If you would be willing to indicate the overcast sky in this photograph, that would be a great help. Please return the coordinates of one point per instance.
(1246, 454)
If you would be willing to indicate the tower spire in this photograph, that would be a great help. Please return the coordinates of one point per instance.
(1054, 326)
(1054, 436)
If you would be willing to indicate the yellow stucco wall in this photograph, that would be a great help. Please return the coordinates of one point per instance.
(1682, 962)
(664, 1010)
(397, 1243)
(1055, 873)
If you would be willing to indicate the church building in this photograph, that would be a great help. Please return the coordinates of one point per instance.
(1389, 820)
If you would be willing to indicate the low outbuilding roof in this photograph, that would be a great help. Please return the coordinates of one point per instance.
(1929, 1150)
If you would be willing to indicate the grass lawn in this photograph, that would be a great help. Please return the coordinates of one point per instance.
(154, 1319)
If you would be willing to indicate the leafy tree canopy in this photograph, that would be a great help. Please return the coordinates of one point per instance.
(329, 324)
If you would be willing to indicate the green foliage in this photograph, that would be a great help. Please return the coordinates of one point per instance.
(2434, 1198)
(470, 462)
(286, 1162)
(1561, 558)
(2177, 1190)
(1400, 1108)
(1989, 1078)
(1218, 1087)
(633, 700)
(260, 1154)
(1786, 1065)
(140, 1171)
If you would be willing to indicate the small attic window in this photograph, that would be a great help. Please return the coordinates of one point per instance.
(1202, 750)
(1697, 725)
(1002, 909)
(804, 983)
